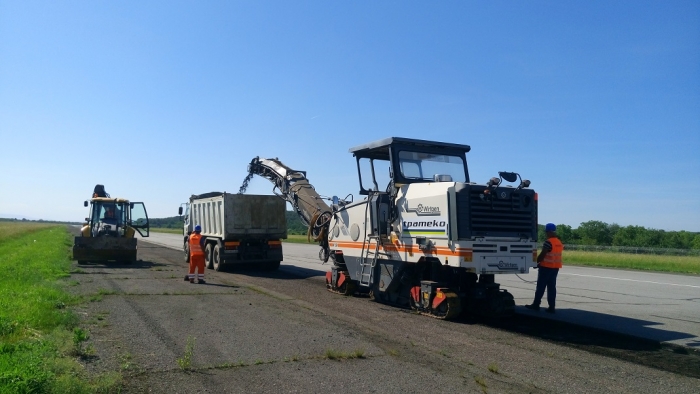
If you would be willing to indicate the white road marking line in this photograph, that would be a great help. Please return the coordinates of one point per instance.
(633, 280)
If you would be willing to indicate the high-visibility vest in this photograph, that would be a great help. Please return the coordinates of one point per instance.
(195, 248)
(553, 258)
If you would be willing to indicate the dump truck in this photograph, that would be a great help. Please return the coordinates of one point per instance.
(237, 229)
(108, 233)
(425, 236)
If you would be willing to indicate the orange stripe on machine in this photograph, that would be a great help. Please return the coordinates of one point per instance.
(435, 250)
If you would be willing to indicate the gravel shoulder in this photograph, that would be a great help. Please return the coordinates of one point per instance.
(275, 332)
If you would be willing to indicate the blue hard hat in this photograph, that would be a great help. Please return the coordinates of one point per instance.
(198, 229)
(550, 227)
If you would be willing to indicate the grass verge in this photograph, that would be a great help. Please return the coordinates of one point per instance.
(166, 230)
(641, 262)
(40, 341)
(298, 239)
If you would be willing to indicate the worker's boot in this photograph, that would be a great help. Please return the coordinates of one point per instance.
(191, 280)
(550, 309)
(187, 277)
(533, 307)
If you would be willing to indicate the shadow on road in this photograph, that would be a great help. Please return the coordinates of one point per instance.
(209, 284)
(623, 338)
(284, 272)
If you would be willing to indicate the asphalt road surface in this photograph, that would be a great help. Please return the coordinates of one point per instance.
(282, 332)
(655, 306)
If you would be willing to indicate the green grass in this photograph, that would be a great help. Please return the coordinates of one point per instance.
(185, 362)
(642, 262)
(298, 239)
(166, 230)
(39, 334)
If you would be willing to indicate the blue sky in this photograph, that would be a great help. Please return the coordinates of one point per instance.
(596, 102)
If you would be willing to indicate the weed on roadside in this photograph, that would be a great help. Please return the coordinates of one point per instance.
(185, 362)
(493, 368)
(333, 354)
(481, 382)
(79, 337)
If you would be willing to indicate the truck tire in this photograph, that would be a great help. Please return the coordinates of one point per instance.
(272, 265)
(216, 259)
(207, 257)
(186, 248)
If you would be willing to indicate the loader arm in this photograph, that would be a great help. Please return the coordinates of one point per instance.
(293, 187)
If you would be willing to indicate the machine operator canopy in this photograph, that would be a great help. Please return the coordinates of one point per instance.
(412, 161)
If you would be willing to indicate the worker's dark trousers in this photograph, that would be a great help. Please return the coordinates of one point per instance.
(546, 277)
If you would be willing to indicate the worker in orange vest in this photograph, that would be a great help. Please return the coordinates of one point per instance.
(549, 262)
(196, 243)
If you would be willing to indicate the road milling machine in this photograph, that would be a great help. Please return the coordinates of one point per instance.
(109, 231)
(425, 236)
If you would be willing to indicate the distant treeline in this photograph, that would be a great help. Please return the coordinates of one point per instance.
(599, 233)
(171, 222)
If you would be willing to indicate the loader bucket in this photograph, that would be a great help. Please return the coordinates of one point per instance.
(104, 249)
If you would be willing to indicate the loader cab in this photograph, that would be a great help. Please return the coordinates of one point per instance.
(386, 165)
(117, 217)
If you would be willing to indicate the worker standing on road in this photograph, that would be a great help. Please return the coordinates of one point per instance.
(196, 243)
(549, 262)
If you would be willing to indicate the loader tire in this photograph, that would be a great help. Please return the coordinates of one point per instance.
(187, 252)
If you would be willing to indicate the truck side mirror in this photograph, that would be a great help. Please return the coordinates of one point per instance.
(179, 211)
(85, 204)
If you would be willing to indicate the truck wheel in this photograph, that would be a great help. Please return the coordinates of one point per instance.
(187, 252)
(272, 265)
(216, 259)
(207, 257)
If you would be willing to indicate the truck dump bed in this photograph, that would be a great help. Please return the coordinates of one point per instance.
(233, 216)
